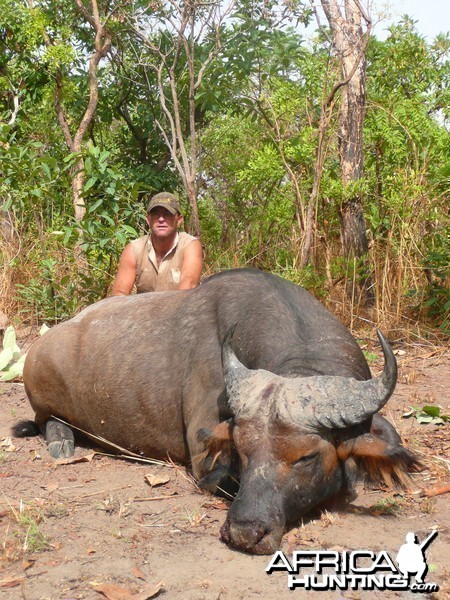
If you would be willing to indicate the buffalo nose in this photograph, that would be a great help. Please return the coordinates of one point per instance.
(252, 536)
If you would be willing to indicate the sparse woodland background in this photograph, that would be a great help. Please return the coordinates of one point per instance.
(322, 157)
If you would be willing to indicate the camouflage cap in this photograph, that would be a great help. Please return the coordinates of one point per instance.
(166, 200)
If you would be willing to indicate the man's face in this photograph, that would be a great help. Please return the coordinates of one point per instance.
(162, 223)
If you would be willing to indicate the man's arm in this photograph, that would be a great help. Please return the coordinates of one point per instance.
(191, 268)
(126, 273)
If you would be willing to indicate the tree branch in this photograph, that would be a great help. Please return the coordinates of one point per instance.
(102, 46)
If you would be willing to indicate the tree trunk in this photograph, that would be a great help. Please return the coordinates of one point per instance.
(354, 239)
(350, 134)
(7, 231)
(77, 192)
(74, 143)
(194, 221)
(350, 43)
(310, 219)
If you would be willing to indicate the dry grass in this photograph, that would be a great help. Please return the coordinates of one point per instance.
(396, 264)
(22, 534)
(9, 253)
(196, 516)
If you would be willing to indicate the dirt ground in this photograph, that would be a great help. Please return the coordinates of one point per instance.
(97, 528)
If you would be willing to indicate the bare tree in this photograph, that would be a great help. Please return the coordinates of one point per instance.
(180, 26)
(350, 28)
(311, 208)
(74, 141)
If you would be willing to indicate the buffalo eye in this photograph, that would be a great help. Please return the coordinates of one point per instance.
(306, 459)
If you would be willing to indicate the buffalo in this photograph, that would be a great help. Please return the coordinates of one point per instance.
(246, 378)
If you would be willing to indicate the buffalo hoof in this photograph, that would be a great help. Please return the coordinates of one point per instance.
(60, 439)
(64, 449)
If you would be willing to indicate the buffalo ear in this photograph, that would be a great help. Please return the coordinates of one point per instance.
(221, 432)
(374, 459)
(215, 464)
(217, 446)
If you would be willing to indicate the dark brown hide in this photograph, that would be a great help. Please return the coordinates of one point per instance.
(145, 372)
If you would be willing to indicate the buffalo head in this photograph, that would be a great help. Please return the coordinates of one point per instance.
(299, 441)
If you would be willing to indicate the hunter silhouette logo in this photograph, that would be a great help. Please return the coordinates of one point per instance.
(357, 569)
(411, 557)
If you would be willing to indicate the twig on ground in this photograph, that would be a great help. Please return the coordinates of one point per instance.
(137, 458)
(183, 473)
(436, 491)
(125, 453)
(123, 487)
(151, 498)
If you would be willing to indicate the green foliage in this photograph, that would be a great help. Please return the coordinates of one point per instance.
(11, 363)
(386, 506)
(60, 291)
(370, 356)
(52, 297)
(113, 216)
(11, 359)
(437, 293)
(31, 180)
(307, 277)
(30, 534)
(428, 415)
(110, 198)
(257, 112)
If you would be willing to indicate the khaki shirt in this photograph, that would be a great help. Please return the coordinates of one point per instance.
(150, 278)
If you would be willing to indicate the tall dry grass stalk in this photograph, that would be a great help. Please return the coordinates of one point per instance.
(10, 252)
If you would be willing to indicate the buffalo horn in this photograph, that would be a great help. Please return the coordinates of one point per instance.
(233, 369)
(338, 402)
(321, 401)
(234, 372)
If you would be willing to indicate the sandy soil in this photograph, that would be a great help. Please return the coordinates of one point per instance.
(97, 528)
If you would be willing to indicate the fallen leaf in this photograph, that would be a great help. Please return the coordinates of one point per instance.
(351, 595)
(219, 505)
(52, 487)
(27, 564)
(159, 479)
(91, 551)
(149, 592)
(118, 592)
(56, 545)
(10, 582)
(138, 573)
(7, 445)
(309, 541)
(113, 592)
(44, 329)
(79, 459)
(6, 356)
